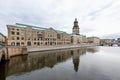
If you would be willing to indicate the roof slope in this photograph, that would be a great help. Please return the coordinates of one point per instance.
(19, 25)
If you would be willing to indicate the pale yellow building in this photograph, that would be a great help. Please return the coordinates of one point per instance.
(105, 41)
(94, 40)
(28, 35)
(3, 40)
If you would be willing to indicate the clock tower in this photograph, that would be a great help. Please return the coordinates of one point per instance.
(75, 29)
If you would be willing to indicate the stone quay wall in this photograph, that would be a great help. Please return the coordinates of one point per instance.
(13, 51)
(48, 48)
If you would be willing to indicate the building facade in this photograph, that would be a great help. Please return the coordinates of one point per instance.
(0, 39)
(28, 35)
(3, 40)
(94, 40)
(105, 41)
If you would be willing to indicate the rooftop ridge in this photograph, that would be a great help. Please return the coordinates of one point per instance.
(59, 31)
(29, 25)
(34, 27)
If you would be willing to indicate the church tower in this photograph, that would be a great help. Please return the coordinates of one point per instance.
(75, 29)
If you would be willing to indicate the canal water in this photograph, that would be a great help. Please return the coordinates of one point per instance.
(93, 63)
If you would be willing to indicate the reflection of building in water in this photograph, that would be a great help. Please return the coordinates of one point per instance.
(92, 50)
(40, 60)
(76, 56)
(36, 61)
(2, 72)
(76, 59)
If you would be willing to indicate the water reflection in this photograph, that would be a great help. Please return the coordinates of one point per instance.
(76, 60)
(38, 60)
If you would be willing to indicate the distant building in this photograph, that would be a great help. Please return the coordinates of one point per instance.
(106, 41)
(83, 39)
(28, 35)
(118, 40)
(3, 40)
(94, 40)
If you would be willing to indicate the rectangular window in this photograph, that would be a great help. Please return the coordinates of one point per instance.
(13, 38)
(18, 38)
(22, 38)
(29, 36)
(34, 38)
(13, 33)
(22, 43)
(38, 43)
(34, 43)
(58, 36)
(18, 44)
(17, 29)
(18, 33)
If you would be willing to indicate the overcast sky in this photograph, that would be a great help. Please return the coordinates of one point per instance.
(95, 17)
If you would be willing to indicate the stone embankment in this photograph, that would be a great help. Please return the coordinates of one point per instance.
(3, 54)
(7, 52)
(13, 51)
(48, 48)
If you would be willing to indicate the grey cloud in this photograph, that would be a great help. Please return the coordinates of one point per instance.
(111, 36)
(58, 14)
(96, 13)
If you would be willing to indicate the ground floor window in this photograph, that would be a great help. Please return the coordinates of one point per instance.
(29, 43)
(17, 44)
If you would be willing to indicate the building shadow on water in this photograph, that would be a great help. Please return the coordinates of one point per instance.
(39, 60)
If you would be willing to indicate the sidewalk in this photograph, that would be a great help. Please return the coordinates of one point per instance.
(48, 48)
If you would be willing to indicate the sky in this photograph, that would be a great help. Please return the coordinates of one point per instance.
(96, 17)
